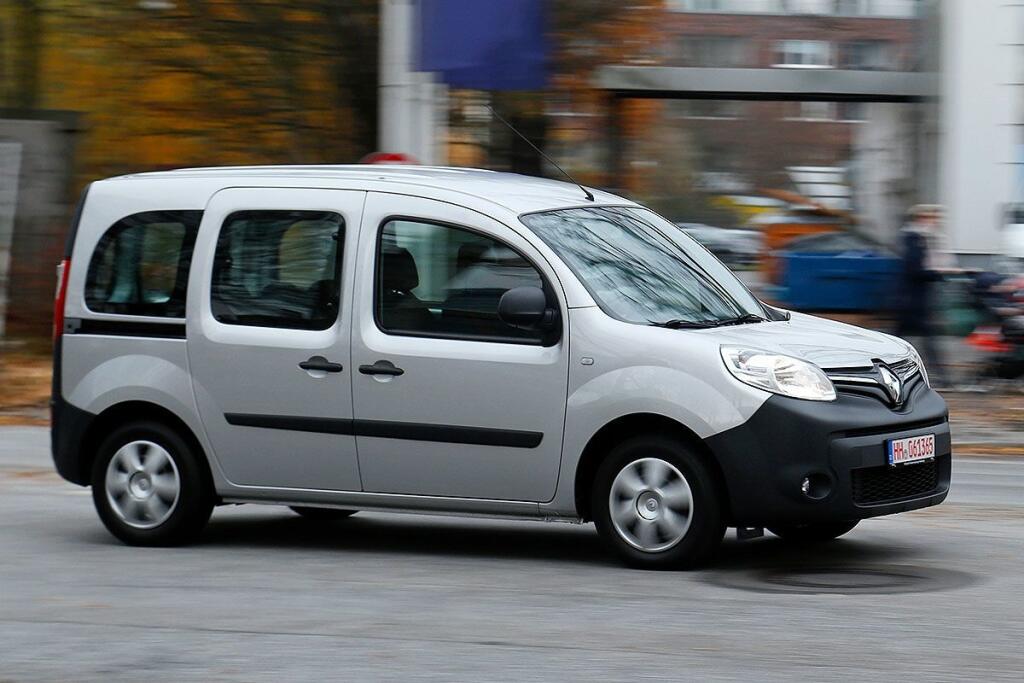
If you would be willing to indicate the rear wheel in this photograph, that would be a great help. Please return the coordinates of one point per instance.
(654, 504)
(149, 486)
(322, 514)
(812, 533)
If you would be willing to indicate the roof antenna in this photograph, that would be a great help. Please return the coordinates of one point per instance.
(537, 149)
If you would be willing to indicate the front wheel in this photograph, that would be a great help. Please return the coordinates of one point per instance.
(149, 486)
(812, 533)
(655, 504)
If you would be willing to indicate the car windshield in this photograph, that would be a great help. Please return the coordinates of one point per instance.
(640, 268)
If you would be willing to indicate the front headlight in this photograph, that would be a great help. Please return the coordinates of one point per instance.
(920, 363)
(778, 374)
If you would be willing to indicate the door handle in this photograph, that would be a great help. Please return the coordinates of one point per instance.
(320, 363)
(381, 367)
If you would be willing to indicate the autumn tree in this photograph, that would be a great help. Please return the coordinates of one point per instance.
(167, 83)
(22, 22)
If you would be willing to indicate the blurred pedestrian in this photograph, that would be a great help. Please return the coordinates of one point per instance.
(925, 261)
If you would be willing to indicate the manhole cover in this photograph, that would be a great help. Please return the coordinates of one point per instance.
(844, 580)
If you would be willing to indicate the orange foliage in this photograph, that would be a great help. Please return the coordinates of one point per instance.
(232, 82)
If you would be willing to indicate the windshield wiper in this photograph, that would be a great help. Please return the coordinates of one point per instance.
(680, 324)
(741, 320)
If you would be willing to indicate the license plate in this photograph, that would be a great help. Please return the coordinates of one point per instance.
(912, 449)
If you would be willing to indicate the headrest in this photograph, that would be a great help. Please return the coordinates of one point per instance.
(469, 255)
(398, 270)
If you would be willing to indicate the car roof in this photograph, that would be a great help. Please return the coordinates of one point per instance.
(517, 193)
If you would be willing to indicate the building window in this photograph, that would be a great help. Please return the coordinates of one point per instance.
(806, 54)
(714, 51)
(811, 111)
(278, 269)
(707, 5)
(442, 281)
(868, 55)
(896, 9)
(852, 111)
(807, 6)
(853, 8)
(141, 264)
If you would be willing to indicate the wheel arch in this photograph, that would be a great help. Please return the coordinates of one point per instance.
(136, 411)
(626, 426)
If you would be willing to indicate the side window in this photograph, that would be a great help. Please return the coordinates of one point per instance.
(436, 280)
(278, 269)
(140, 266)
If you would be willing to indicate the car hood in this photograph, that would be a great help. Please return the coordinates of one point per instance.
(826, 343)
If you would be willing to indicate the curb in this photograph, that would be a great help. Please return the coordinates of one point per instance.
(988, 450)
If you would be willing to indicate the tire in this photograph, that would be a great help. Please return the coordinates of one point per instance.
(322, 514)
(682, 528)
(809, 534)
(150, 487)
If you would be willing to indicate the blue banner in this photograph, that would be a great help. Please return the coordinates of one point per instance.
(484, 44)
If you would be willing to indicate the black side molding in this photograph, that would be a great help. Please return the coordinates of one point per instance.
(412, 431)
(482, 436)
(320, 425)
(124, 328)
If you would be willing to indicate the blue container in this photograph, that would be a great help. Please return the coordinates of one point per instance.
(839, 282)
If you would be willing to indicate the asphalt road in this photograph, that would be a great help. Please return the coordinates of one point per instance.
(936, 594)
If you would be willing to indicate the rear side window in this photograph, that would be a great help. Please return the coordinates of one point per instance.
(278, 269)
(140, 266)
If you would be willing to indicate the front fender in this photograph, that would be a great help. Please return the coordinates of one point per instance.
(620, 369)
(703, 406)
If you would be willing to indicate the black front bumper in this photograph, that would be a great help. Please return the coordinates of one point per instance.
(842, 445)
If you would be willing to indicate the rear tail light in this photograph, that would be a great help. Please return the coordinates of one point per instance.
(63, 268)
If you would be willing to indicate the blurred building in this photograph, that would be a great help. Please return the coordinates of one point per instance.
(855, 35)
(821, 98)
(902, 101)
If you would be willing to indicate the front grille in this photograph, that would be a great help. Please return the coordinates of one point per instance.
(905, 368)
(885, 484)
(867, 382)
(874, 390)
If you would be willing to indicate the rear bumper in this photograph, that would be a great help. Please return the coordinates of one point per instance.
(841, 444)
(68, 428)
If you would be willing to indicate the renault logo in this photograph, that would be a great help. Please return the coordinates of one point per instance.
(892, 384)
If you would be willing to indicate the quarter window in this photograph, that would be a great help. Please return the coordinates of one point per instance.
(140, 266)
(442, 281)
(278, 269)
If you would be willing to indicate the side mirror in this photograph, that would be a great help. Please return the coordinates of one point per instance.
(526, 308)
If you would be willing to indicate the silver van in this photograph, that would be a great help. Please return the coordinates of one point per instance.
(440, 340)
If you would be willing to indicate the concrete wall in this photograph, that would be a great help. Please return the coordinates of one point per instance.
(883, 168)
(10, 171)
(981, 119)
(42, 209)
